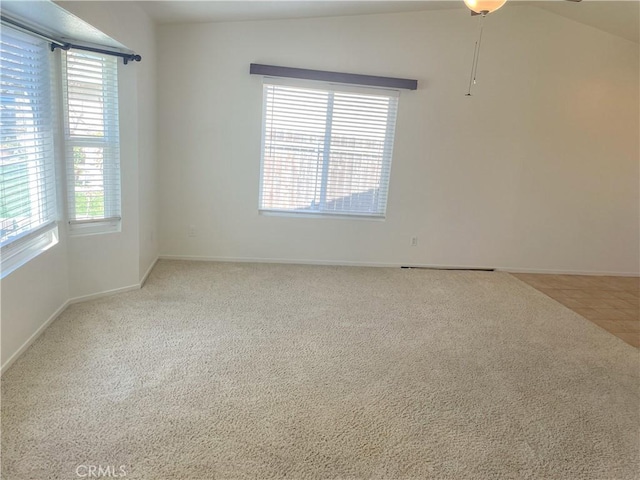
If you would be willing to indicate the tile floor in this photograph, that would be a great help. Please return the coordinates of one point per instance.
(610, 302)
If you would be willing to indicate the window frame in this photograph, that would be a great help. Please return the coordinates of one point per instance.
(22, 248)
(108, 142)
(331, 88)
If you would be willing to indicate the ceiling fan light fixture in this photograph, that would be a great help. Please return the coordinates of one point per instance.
(484, 6)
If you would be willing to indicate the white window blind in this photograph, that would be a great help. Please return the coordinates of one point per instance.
(27, 164)
(92, 146)
(326, 150)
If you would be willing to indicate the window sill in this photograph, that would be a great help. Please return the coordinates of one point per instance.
(94, 227)
(17, 254)
(338, 216)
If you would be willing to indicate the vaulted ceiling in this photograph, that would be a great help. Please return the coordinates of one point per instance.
(620, 18)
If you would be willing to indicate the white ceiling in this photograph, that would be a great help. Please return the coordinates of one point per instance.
(240, 10)
(618, 17)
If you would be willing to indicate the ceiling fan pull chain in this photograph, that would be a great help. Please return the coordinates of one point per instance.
(476, 56)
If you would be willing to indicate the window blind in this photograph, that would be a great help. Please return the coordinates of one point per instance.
(27, 175)
(92, 146)
(326, 150)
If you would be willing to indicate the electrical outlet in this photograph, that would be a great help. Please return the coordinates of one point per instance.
(414, 241)
(191, 231)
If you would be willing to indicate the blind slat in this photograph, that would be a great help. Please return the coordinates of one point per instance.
(27, 176)
(326, 151)
(91, 136)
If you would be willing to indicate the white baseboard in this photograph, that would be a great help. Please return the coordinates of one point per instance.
(390, 265)
(106, 293)
(569, 272)
(337, 263)
(288, 261)
(62, 308)
(33, 337)
(146, 274)
(137, 286)
(56, 314)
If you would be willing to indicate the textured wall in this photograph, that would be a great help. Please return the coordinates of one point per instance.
(537, 171)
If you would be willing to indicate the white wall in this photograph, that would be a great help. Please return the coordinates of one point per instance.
(538, 170)
(89, 265)
(148, 192)
(101, 263)
(31, 296)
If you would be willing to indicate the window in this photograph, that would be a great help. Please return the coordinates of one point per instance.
(326, 149)
(27, 162)
(90, 95)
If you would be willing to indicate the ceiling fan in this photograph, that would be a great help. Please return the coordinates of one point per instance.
(484, 7)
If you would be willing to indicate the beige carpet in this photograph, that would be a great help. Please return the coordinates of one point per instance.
(243, 371)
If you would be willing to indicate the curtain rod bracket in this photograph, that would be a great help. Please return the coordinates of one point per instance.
(132, 58)
(64, 46)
